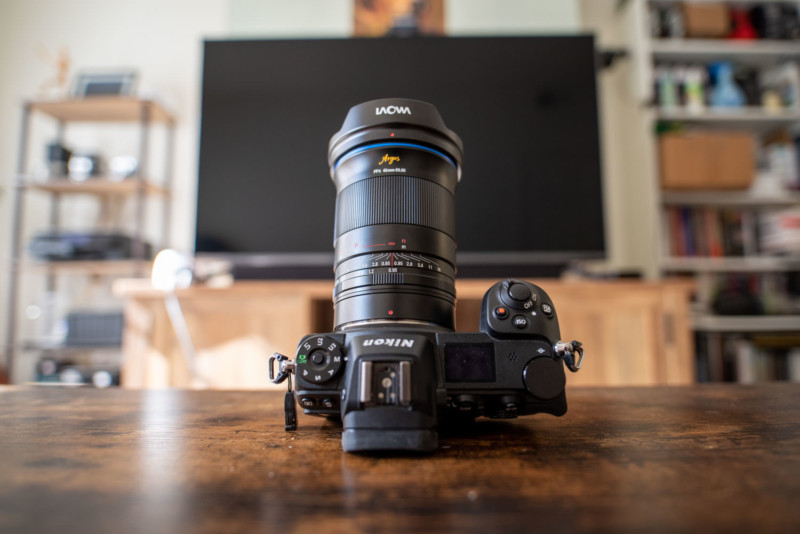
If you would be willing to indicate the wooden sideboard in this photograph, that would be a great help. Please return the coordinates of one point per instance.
(635, 333)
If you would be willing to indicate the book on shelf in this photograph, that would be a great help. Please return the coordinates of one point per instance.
(748, 360)
(780, 231)
(773, 293)
(793, 364)
(708, 232)
(766, 358)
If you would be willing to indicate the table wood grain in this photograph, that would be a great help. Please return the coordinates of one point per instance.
(701, 459)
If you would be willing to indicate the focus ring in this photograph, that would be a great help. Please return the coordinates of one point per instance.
(395, 200)
(387, 279)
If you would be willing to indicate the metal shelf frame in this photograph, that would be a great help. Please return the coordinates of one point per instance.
(144, 113)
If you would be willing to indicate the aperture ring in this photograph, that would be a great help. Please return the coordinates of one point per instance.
(404, 277)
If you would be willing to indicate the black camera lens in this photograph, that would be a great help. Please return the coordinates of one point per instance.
(395, 165)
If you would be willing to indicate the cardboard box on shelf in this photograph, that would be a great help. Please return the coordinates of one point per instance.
(706, 20)
(707, 160)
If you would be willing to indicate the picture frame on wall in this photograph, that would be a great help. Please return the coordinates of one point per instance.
(94, 84)
(398, 18)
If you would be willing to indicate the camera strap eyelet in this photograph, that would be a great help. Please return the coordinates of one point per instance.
(285, 368)
(567, 352)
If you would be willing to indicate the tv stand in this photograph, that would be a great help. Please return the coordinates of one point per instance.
(236, 328)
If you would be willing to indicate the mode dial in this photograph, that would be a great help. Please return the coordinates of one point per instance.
(319, 359)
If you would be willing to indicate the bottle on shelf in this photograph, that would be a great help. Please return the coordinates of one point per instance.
(725, 93)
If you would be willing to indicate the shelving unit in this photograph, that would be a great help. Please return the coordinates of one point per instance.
(756, 120)
(89, 268)
(759, 53)
(712, 330)
(746, 264)
(104, 109)
(139, 188)
(747, 323)
(728, 199)
(95, 186)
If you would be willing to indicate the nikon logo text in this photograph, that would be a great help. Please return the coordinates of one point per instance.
(399, 342)
(391, 110)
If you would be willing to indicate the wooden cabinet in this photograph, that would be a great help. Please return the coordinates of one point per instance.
(635, 333)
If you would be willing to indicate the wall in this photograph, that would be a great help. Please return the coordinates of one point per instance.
(627, 154)
(518, 17)
(333, 18)
(159, 38)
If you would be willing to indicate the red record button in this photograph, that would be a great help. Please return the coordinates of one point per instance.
(501, 312)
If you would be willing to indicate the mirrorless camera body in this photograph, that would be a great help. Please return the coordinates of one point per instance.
(394, 370)
(393, 384)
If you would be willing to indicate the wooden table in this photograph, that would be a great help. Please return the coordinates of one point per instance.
(693, 459)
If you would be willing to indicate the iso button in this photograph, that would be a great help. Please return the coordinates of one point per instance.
(520, 321)
(319, 359)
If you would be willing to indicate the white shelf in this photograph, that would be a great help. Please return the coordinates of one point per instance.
(96, 186)
(733, 2)
(722, 199)
(707, 50)
(753, 119)
(63, 349)
(726, 115)
(103, 109)
(745, 264)
(91, 267)
(746, 323)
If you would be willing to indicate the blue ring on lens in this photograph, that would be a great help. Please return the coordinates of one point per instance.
(395, 145)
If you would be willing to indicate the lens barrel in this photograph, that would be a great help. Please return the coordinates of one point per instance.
(395, 166)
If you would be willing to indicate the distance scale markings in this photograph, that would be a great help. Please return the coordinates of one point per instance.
(393, 268)
(400, 259)
(390, 262)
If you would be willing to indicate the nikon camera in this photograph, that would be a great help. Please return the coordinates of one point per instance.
(394, 370)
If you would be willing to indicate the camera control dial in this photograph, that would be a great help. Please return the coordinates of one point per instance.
(319, 359)
(544, 377)
(518, 292)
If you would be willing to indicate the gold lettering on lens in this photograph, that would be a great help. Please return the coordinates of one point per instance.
(387, 159)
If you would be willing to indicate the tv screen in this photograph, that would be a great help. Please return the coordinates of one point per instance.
(530, 195)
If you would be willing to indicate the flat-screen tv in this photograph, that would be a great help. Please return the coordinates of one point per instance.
(530, 197)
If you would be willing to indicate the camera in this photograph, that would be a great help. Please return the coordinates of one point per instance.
(394, 370)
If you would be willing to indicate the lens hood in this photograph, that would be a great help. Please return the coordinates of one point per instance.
(394, 119)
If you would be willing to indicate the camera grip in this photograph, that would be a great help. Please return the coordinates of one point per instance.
(519, 309)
